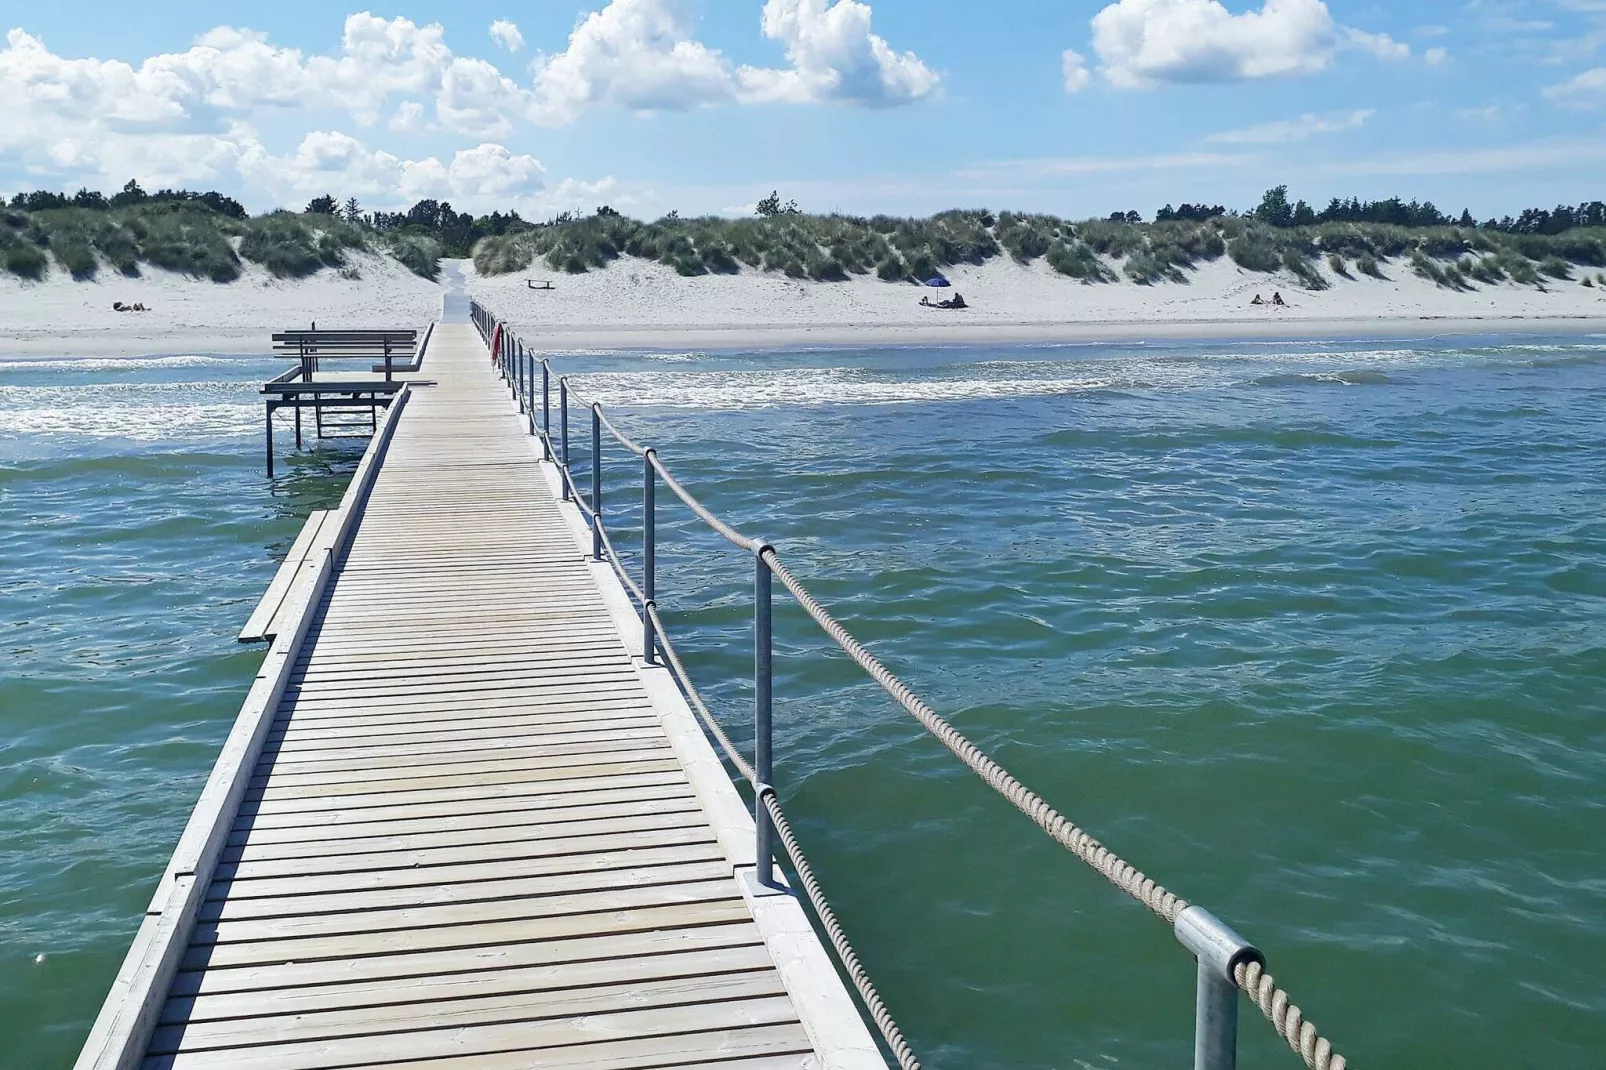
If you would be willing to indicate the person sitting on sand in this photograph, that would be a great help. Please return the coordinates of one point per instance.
(1258, 300)
(958, 301)
(1277, 298)
(925, 299)
(118, 306)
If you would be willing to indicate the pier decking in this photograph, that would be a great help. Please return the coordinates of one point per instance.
(459, 825)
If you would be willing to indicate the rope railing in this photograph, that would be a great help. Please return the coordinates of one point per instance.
(1226, 963)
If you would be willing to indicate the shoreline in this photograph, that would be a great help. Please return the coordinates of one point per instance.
(766, 337)
(778, 337)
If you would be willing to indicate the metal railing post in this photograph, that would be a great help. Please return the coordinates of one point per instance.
(518, 351)
(763, 695)
(1215, 1018)
(563, 429)
(596, 481)
(546, 410)
(649, 553)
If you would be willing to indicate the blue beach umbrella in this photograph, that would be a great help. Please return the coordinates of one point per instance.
(937, 280)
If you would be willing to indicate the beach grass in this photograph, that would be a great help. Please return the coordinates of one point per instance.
(193, 238)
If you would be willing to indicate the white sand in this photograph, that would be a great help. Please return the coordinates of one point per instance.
(636, 303)
(58, 316)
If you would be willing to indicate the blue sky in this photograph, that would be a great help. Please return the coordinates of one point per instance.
(881, 105)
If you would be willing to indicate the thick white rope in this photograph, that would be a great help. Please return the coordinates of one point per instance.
(1274, 1003)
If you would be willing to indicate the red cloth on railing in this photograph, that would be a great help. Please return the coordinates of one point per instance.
(496, 342)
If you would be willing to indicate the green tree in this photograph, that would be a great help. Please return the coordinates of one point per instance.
(325, 205)
(352, 211)
(772, 206)
(1275, 209)
(130, 195)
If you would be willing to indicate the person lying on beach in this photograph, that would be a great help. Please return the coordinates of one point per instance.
(926, 301)
(118, 306)
(1258, 300)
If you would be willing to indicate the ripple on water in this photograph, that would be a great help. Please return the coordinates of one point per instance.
(1328, 660)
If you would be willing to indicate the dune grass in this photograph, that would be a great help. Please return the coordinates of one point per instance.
(189, 237)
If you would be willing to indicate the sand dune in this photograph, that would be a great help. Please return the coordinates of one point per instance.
(635, 303)
(59, 316)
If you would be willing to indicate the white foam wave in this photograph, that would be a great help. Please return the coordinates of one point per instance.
(136, 423)
(736, 390)
(115, 364)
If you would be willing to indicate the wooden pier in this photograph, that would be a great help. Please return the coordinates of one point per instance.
(459, 825)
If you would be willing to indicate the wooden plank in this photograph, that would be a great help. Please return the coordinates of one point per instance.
(421, 966)
(503, 1036)
(459, 834)
(496, 851)
(259, 803)
(406, 993)
(374, 1023)
(560, 866)
(226, 904)
(477, 815)
(259, 627)
(345, 946)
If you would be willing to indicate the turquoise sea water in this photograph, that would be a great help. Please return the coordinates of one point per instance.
(1315, 634)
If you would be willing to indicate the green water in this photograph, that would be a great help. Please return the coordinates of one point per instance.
(1314, 634)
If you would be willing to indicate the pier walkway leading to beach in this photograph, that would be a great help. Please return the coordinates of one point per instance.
(460, 824)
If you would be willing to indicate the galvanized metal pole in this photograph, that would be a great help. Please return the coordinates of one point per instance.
(546, 410)
(649, 553)
(596, 481)
(563, 429)
(1215, 1019)
(518, 350)
(763, 695)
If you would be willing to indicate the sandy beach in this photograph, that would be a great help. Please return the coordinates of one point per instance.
(640, 304)
(59, 316)
(634, 303)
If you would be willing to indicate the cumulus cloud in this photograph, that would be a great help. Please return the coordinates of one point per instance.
(506, 34)
(1380, 45)
(1436, 57)
(642, 55)
(1074, 67)
(1144, 42)
(1306, 126)
(636, 54)
(835, 56)
(477, 179)
(1583, 90)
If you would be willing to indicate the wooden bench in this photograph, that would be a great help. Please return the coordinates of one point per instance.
(313, 346)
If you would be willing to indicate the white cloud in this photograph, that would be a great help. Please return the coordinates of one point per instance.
(1074, 67)
(506, 33)
(1583, 90)
(835, 56)
(635, 54)
(1144, 42)
(1436, 57)
(476, 179)
(1305, 127)
(641, 55)
(1380, 45)
(409, 116)
(478, 100)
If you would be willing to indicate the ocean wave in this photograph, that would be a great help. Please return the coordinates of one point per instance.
(1336, 378)
(736, 390)
(117, 364)
(136, 423)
